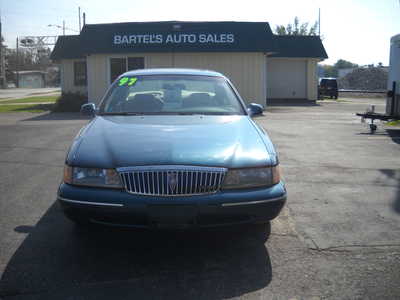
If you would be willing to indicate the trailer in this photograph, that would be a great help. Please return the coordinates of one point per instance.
(392, 110)
(393, 94)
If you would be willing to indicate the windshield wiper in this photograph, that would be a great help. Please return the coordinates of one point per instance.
(166, 113)
(121, 114)
(189, 113)
(208, 113)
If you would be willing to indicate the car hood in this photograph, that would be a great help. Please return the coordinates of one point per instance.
(121, 141)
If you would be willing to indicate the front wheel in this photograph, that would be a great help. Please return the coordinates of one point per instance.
(373, 128)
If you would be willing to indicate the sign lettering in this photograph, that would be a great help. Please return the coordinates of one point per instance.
(175, 38)
(127, 80)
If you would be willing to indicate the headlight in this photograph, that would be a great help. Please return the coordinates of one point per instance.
(92, 177)
(251, 177)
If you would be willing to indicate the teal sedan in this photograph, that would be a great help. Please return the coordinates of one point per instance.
(172, 148)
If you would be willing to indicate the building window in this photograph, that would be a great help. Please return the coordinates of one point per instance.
(135, 63)
(117, 67)
(122, 64)
(80, 77)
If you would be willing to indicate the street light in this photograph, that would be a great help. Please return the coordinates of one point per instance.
(62, 27)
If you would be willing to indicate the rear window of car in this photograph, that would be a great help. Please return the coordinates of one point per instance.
(329, 83)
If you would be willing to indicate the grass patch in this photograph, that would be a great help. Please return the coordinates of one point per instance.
(393, 123)
(33, 108)
(49, 99)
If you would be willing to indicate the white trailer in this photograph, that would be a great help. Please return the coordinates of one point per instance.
(393, 85)
(393, 89)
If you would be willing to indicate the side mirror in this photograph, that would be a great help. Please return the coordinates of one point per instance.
(88, 109)
(255, 109)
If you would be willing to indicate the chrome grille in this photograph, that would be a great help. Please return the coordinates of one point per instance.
(171, 180)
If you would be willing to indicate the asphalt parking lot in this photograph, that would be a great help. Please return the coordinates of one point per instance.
(337, 238)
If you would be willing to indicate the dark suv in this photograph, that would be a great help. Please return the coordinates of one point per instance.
(328, 87)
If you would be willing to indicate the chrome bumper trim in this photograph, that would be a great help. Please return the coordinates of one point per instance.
(89, 203)
(254, 202)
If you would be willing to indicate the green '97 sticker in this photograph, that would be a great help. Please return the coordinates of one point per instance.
(132, 81)
(126, 80)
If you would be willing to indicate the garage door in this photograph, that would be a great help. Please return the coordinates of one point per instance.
(245, 69)
(286, 78)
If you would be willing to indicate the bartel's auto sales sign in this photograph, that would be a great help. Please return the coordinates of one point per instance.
(177, 38)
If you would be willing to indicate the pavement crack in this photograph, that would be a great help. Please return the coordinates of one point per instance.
(338, 167)
(345, 183)
(314, 243)
(284, 234)
(30, 163)
(346, 248)
(31, 148)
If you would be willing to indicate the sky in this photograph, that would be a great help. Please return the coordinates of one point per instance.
(355, 30)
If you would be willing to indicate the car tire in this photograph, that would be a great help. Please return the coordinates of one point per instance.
(373, 128)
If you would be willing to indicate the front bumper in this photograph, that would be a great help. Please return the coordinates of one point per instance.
(117, 207)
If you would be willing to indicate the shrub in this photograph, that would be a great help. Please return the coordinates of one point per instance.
(70, 102)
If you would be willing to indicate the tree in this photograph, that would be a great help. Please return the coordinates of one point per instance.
(332, 71)
(344, 64)
(297, 28)
(28, 59)
(25, 59)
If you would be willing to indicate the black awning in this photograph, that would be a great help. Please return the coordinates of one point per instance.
(175, 36)
(299, 46)
(67, 47)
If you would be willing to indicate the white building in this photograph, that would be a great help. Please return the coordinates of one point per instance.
(261, 65)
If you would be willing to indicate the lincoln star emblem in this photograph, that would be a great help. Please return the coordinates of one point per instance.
(172, 180)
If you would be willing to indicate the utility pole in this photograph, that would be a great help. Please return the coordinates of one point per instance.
(2, 64)
(1, 59)
(79, 12)
(17, 64)
(63, 27)
(84, 19)
(319, 22)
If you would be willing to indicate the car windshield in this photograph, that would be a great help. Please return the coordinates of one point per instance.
(171, 94)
